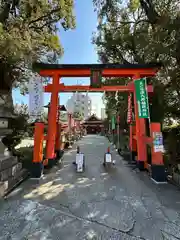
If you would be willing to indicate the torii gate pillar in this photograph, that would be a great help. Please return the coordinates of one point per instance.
(140, 132)
(52, 125)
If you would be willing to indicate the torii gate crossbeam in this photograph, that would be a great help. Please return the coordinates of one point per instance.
(85, 88)
(108, 70)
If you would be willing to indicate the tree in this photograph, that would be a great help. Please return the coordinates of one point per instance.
(29, 32)
(63, 117)
(78, 115)
(19, 126)
(143, 31)
(116, 101)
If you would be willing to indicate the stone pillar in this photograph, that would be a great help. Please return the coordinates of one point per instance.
(11, 171)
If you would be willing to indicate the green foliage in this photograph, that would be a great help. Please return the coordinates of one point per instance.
(141, 32)
(20, 122)
(11, 141)
(25, 156)
(63, 117)
(116, 100)
(29, 32)
(19, 127)
(134, 5)
(45, 116)
(78, 115)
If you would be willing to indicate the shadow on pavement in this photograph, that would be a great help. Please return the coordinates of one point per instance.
(100, 203)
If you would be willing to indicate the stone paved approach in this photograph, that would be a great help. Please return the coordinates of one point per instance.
(117, 203)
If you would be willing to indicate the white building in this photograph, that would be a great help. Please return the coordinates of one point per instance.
(80, 102)
(103, 113)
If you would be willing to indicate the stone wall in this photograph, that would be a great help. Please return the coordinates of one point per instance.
(11, 173)
(176, 178)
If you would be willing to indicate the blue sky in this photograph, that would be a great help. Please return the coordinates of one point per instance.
(77, 49)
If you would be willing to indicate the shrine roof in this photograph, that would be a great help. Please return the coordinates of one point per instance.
(92, 118)
(61, 107)
(46, 66)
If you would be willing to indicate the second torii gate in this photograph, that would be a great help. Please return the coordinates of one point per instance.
(95, 71)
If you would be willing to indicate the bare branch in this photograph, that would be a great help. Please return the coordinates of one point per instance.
(45, 16)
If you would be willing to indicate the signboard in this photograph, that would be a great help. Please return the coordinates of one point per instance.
(36, 92)
(96, 78)
(158, 142)
(129, 113)
(113, 124)
(108, 158)
(79, 158)
(142, 97)
(79, 161)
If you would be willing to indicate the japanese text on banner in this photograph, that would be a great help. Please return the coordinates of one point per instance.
(36, 97)
(142, 98)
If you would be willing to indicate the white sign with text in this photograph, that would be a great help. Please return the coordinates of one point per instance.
(108, 158)
(36, 101)
(79, 158)
(79, 161)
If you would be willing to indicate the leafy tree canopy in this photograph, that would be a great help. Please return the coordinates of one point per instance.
(142, 31)
(78, 115)
(29, 32)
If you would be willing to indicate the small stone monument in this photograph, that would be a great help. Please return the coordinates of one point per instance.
(10, 169)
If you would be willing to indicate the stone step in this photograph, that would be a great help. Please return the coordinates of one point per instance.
(7, 162)
(11, 182)
(10, 172)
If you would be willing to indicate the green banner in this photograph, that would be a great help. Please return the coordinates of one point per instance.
(113, 123)
(142, 97)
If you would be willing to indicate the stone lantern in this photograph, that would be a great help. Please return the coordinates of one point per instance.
(11, 171)
(6, 117)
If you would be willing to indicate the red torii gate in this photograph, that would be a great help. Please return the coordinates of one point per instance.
(56, 71)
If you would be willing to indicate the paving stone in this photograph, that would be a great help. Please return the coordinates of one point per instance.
(101, 203)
